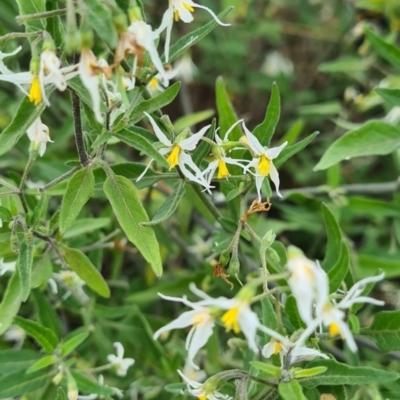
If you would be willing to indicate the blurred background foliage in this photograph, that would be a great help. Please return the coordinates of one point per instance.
(326, 72)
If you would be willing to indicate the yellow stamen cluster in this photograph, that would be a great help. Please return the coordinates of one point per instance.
(35, 94)
(203, 397)
(173, 158)
(185, 5)
(334, 329)
(153, 83)
(264, 165)
(222, 169)
(277, 348)
(230, 320)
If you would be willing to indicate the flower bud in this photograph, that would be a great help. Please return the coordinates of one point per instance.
(119, 20)
(273, 254)
(234, 266)
(224, 258)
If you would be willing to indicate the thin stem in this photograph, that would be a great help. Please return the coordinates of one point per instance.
(59, 179)
(263, 381)
(79, 140)
(8, 193)
(31, 160)
(207, 202)
(18, 35)
(53, 245)
(46, 14)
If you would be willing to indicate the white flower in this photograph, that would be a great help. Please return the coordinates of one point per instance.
(89, 67)
(262, 161)
(7, 266)
(144, 38)
(199, 318)
(122, 364)
(200, 391)
(15, 334)
(275, 64)
(155, 85)
(308, 282)
(186, 68)
(180, 9)
(117, 392)
(70, 281)
(221, 159)
(177, 153)
(193, 373)
(50, 72)
(38, 133)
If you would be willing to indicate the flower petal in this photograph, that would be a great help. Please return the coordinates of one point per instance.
(273, 173)
(200, 337)
(190, 143)
(157, 131)
(254, 144)
(274, 152)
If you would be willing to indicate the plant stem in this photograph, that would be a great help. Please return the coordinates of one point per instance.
(59, 179)
(31, 160)
(79, 140)
(207, 202)
(17, 35)
(46, 14)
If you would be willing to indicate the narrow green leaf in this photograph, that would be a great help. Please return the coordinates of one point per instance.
(71, 344)
(291, 391)
(290, 151)
(80, 188)
(155, 103)
(84, 268)
(135, 140)
(376, 208)
(293, 313)
(26, 114)
(269, 369)
(86, 385)
(334, 236)
(168, 207)
(99, 17)
(368, 264)
(45, 312)
(17, 383)
(5, 214)
(42, 363)
(11, 302)
(13, 360)
(24, 268)
(130, 213)
(339, 271)
(373, 138)
(308, 372)
(44, 336)
(85, 225)
(392, 96)
(186, 42)
(203, 149)
(188, 121)
(385, 330)
(32, 7)
(343, 374)
(266, 129)
(60, 394)
(54, 25)
(388, 51)
(269, 317)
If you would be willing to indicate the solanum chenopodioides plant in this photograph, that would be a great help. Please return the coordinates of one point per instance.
(56, 251)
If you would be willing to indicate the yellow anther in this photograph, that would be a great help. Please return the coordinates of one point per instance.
(277, 348)
(173, 158)
(334, 329)
(35, 94)
(176, 15)
(154, 82)
(188, 7)
(222, 169)
(230, 320)
(202, 397)
(264, 165)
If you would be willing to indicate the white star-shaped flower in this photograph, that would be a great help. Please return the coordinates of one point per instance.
(122, 364)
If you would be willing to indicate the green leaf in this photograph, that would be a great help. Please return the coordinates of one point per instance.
(269, 317)
(373, 138)
(17, 383)
(385, 330)
(85, 225)
(376, 208)
(32, 7)
(343, 374)
(135, 140)
(24, 267)
(99, 17)
(392, 96)
(293, 313)
(26, 114)
(168, 207)
(71, 344)
(386, 50)
(187, 121)
(368, 264)
(84, 268)
(266, 129)
(308, 372)
(290, 151)
(339, 271)
(226, 114)
(203, 149)
(5, 214)
(155, 103)
(44, 336)
(60, 394)
(291, 390)
(42, 363)
(86, 385)
(130, 213)
(45, 312)
(334, 238)
(269, 369)
(12, 360)
(11, 303)
(80, 188)
(186, 42)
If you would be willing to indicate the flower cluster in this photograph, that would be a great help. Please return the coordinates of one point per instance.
(310, 286)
